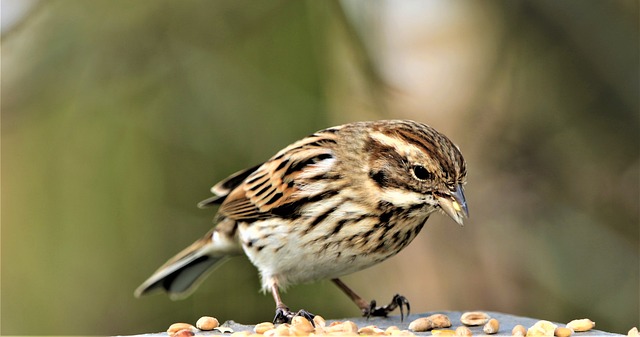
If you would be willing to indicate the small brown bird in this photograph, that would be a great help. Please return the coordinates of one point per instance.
(333, 203)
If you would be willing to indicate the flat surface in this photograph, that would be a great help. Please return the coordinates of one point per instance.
(507, 322)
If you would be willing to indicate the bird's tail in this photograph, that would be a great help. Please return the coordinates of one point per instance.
(182, 274)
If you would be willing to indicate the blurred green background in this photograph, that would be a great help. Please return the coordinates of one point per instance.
(117, 117)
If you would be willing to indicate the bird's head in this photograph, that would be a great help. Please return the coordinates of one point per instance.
(415, 165)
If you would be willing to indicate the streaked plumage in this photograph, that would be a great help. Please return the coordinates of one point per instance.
(333, 203)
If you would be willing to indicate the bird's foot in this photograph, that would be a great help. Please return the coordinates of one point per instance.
(284, 315)
(397, 301)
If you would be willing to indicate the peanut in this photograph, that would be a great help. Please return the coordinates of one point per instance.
(542, 328)
(421, 324)
(473, 318)
(443, 332)
(183, 333)
(562, 332)
(175, 327)
(319, 321)
(300, 326)
(371, 330)
(207, 323)
(346, 326)
(491, 327)
(633, 332)
(439, 321)
(580, 325)
(519, 331)
(463, 331)
(263, 327)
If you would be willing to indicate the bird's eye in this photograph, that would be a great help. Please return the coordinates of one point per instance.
(421, 173)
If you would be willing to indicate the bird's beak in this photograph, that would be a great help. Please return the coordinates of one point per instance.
(455, 205)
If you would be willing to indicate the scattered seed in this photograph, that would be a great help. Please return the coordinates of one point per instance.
(207, 323)
(421, 324)
(319, 321)
(473, 318)
(463, 331)
(371, 330)
(491, 327)
(344, 327)
(392, 328)
(183, 333)
(562, 332)
(542, 328)
(300, 326)
(439, 321)
(580, 325)
(519, 331)
(175, 327)
(263, 327)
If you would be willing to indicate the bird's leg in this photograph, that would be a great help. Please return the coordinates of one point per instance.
(283, 314)
(369, 308)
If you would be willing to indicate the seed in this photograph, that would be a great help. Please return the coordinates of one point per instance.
(371, 330)
(207, 323)
(463, 331)
(473, 318)
(519, 331)
(439, 321)
(346, 327)
(280, 330)
(270, 333)
(542, 328)
(183, 333)
(175, 327)
(443, 332)
(263, 327)
(421, 324)
(491, 327)
(319, 321)
(580, 325)
(300, 326)
(562, 332)
(633, 332)
(392, 328)
(283, 330)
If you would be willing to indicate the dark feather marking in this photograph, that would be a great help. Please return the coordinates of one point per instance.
(321, 142)
(274, 198)
(282, 165)
(292, 210)
(319, 219)
(378, 177)
(301, 164)
(167, 281)
(378, 248)
(338, 227)
(264, 189)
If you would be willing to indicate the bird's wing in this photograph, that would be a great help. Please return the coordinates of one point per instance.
(282, 180)
(222, 189)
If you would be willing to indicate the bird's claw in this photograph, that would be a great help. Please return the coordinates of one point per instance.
(397, 301)
(284, 315)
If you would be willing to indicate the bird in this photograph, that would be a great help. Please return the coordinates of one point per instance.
(333, 203)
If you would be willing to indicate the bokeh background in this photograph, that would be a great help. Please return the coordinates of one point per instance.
(117, 117)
